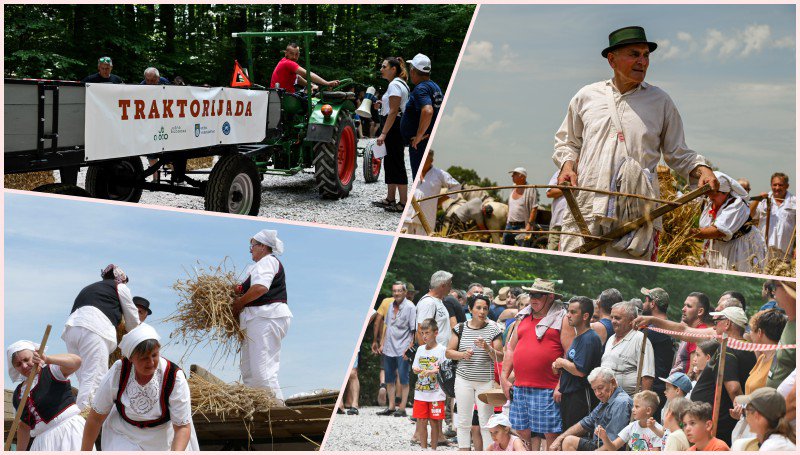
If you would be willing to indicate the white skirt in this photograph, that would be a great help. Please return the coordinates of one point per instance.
(66, 437)
(742, 254)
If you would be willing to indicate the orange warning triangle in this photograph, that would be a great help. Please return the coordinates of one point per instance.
(240, 79)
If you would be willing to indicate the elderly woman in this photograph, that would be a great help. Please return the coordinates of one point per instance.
(264, 313)
(731, 243)
(143, 401)
(476, 346)
(50, 415)
(91, 328)
(500, 428)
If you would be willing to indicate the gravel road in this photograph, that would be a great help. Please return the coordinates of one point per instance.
(294, 198)
(368, 431)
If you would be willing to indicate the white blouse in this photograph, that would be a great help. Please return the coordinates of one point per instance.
(263, 272)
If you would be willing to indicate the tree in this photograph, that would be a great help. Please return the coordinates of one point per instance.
(470, 177)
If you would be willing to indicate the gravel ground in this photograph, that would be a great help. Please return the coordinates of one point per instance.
(368, 431)
(294, 198)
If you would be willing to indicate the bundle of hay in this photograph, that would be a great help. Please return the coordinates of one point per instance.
(204, 310)
(234, 401)
(776, 266)
(28, 180)
(199, 163)
(676, 246)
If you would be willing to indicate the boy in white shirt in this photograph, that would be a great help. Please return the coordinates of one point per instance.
(428, 396)
(637, 434)
(673, 438)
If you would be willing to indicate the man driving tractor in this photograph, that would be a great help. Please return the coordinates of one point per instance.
(288, 72)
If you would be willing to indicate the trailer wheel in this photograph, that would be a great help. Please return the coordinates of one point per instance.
(62, 188)
(116, 180)
(335, 162)
(371, 165)
(234, 186)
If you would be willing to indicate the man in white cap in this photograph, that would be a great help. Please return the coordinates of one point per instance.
(432, 181)
(421, 110)
(614, 134)
(522, 206)
(264, 313)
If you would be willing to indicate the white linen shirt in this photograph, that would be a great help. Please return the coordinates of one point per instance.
(263, 272)
(782, 220)
(652, 128)
(623, 359)
(432, 184)
(90, 317)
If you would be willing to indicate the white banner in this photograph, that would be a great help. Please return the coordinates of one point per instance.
(132, 120)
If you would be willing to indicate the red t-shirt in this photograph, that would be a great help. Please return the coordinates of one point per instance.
(285, 74)
(533, 358)
(691, 347)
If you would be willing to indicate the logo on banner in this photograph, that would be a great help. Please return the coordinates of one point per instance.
(177, 129)
(196, 130)
(201, 130)
(161, 135)
(226, 128)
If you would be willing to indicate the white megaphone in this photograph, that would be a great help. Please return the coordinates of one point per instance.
(365, 110)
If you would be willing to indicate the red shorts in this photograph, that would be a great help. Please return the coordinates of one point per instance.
(428, 410)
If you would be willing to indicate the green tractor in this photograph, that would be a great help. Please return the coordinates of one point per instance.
(307, 130)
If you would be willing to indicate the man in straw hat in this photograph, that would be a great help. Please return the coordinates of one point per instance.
(785, 359)
(540, 336)
(619, 129)
(264, 313)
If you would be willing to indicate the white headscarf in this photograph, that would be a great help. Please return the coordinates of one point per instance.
(132, 339)
(728, 185)
(20, 345)
(270, 238)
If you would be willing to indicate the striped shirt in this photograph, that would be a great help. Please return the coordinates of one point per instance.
(480, 367)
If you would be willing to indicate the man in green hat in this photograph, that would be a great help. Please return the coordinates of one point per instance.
(618, 130)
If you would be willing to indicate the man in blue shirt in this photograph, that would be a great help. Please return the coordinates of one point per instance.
(613, 414)
(422, 108)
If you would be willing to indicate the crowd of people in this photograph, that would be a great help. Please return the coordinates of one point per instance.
(141, 402)
(537, 371)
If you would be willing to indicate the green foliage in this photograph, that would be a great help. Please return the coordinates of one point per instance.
(470, 177)
(194, 41)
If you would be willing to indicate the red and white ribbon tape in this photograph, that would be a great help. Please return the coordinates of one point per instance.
(732, 343)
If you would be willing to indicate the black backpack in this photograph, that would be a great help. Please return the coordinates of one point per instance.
(447, 370)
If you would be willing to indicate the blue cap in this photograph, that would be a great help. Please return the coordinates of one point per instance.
(680, 381)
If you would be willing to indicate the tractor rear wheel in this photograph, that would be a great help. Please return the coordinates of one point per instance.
(234, 186)
(335, 161)
(116, 180)
(62, 188)
(371, 165)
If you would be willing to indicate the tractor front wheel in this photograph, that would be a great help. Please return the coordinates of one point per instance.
(335, 161)
(116, 180)
(234, 186)
(371, 165)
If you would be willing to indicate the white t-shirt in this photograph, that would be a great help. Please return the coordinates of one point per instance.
(777, 443)
(558, 207)
(639, 438)
(431, 307)
(397, 87)
(427, 388)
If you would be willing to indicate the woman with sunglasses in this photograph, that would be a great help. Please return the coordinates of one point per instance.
(264, 313)
(476, 345)
(392, 106)
(765, 411)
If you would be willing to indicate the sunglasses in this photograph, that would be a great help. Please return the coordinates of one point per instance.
(716, 320)
(538, 295)
(105, 60)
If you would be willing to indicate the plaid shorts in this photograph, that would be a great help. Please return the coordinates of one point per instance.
(534, 409)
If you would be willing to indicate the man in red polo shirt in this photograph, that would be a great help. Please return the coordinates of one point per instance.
(288, 71)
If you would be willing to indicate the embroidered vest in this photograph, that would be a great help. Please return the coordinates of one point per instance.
(102, 295)
(167, 385)
(276, 292)
(49, 398)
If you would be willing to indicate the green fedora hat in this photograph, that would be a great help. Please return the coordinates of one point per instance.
(625, 36)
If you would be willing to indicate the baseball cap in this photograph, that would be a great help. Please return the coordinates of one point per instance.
(497, 419)
(767, 401)
(519, 170)
(680, 381)
(659, 295)
(733, 314)
(422, 63)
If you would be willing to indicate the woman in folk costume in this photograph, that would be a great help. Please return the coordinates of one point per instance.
(143, 401)
(731, 242)
(50, 415)
(264, 313)
(91, 329)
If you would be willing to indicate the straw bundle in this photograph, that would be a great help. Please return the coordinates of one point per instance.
(203, 312)
(676, 246)
(28, 180)
(776, 266)
(199, 163)
(235, 401)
